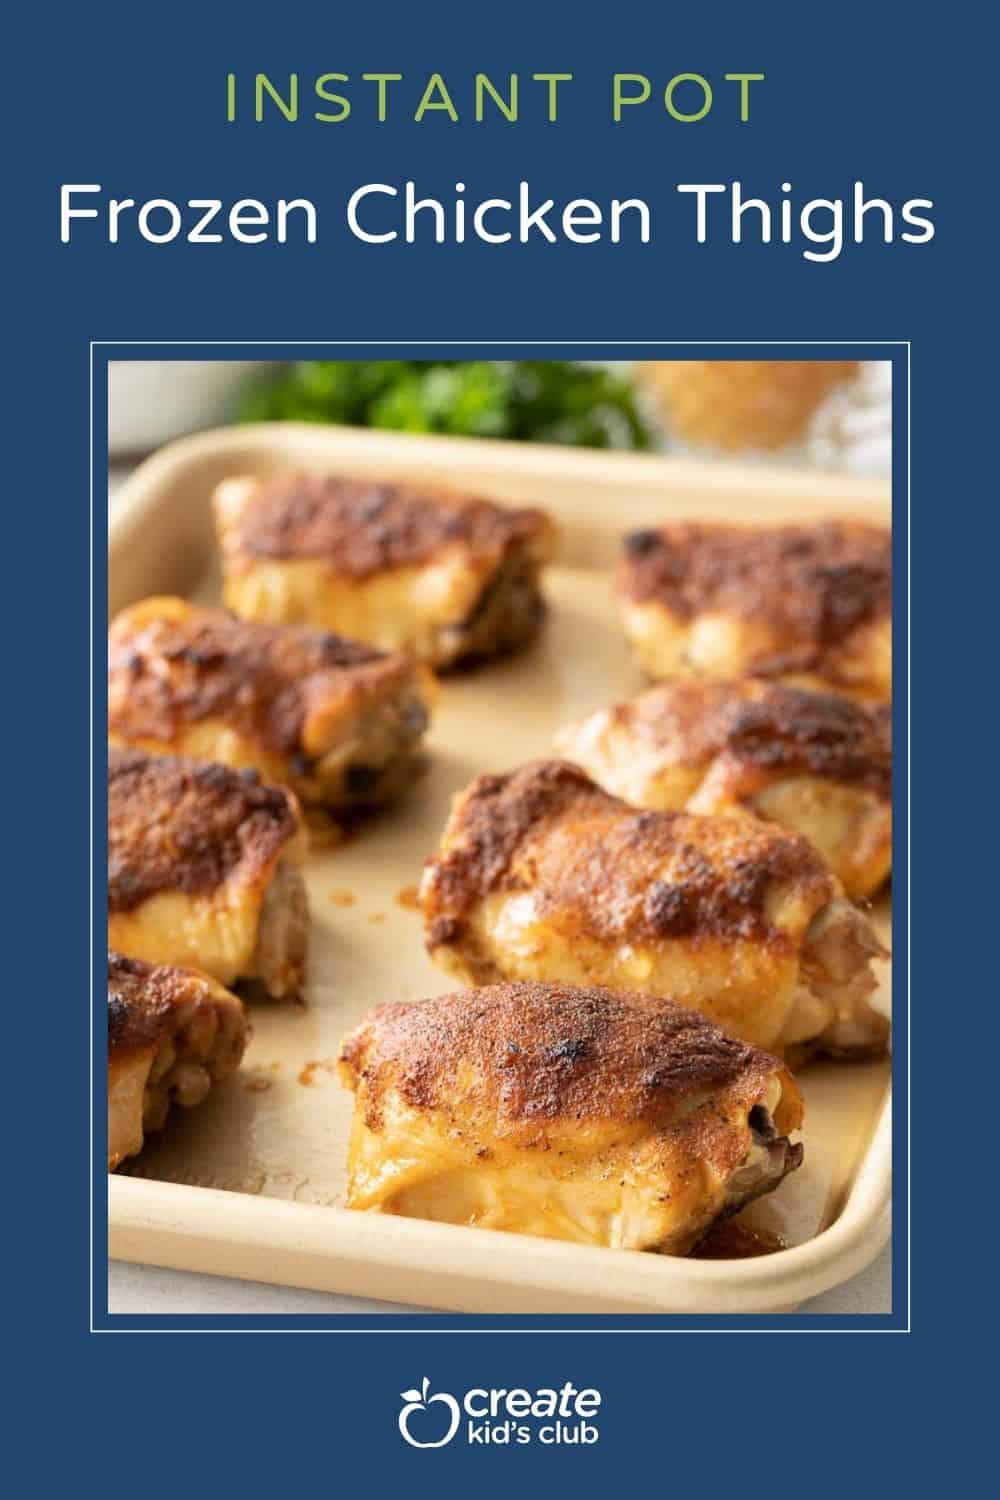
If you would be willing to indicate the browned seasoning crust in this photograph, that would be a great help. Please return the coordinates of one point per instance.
(177, 824)
(814, 585)
(540, 1059)
(187, 665)
(770, 727)
(548, 828)
(172, 1034)
(366, 526)
(143, 999)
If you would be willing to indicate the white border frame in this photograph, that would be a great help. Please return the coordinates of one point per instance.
(492, 344)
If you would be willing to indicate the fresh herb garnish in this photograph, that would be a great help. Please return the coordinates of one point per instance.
(545, 401)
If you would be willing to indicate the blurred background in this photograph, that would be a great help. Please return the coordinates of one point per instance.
(821, 413)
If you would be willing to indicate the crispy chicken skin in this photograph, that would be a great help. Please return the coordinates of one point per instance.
(449, 577)
(202, 871)
(172, 1034)
(810, 605)
(817, 763)
(597, 1116)
(337, 721)
(542, 875)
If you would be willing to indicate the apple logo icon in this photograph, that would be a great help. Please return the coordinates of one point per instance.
(420, 1401)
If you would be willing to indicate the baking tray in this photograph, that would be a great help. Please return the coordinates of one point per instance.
(250, 1184)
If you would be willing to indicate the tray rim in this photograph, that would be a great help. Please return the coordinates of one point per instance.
(215, 1230)
(172, 1224)
(777, 482)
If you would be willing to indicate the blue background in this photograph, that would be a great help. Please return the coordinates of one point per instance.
(132, 98)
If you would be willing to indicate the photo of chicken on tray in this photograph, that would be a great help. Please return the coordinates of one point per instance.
(452, 578)
(601, 952)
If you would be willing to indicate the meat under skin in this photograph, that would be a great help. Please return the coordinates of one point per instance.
(542, 875)
(450, 577)
(337, 721)
(172, 1035)
(819, 764)
(810, 605)
(203, 871)
(576, 1113)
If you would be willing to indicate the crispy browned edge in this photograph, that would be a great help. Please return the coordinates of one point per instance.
(142, 998)
(818, 582)
(543, 1053)
(164, 674)
(365, 526)
(179, 824)
(601, 884)
(769, 726)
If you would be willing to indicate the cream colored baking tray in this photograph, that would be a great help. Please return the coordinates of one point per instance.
(250, 1184)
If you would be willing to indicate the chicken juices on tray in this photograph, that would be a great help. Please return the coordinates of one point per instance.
(337, 721)
(203, 871)
(817, 763)
(581, 1114)
(543, 875)
(450, 577)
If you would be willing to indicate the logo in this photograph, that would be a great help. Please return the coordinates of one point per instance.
(420, 1401)
(500, 1417)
